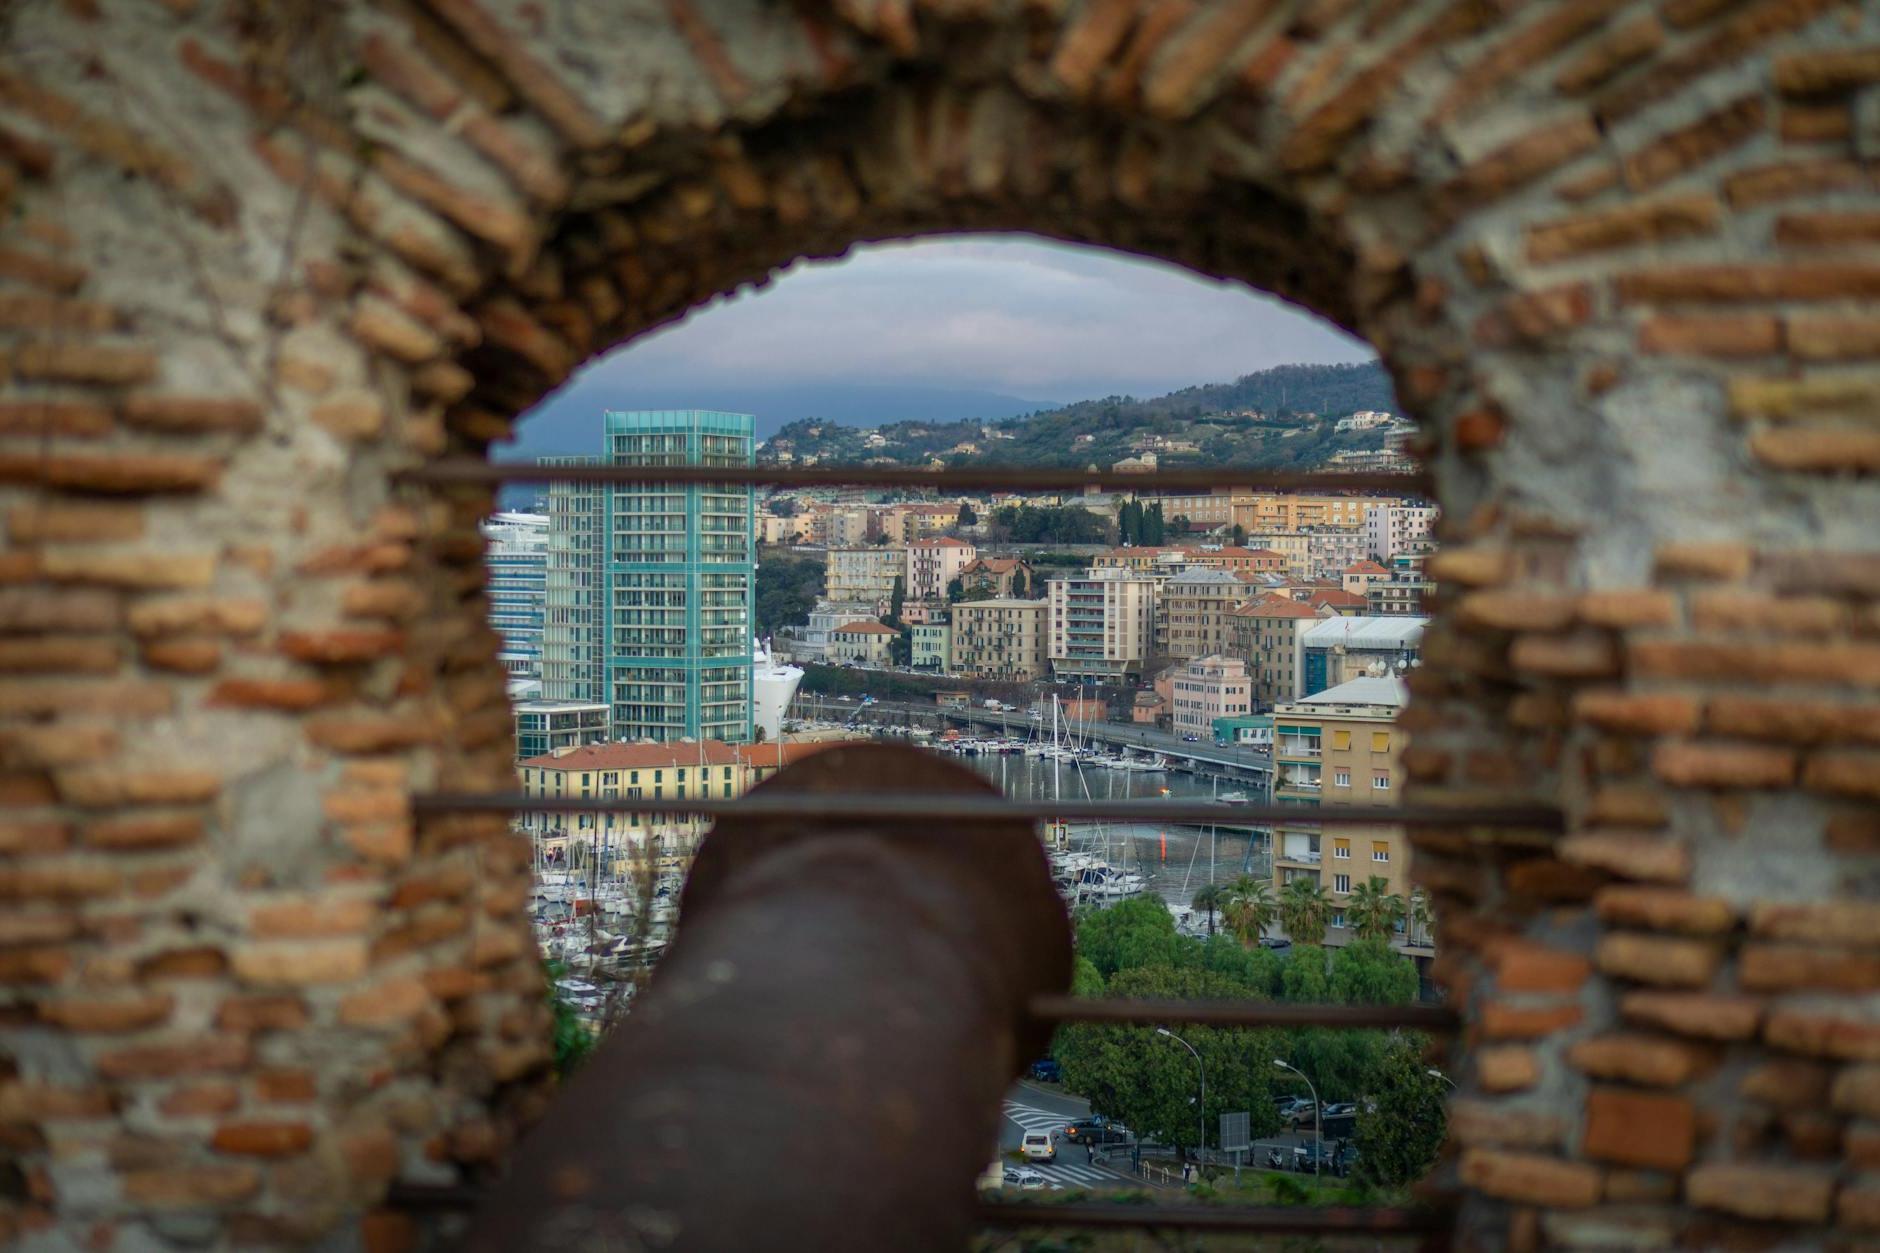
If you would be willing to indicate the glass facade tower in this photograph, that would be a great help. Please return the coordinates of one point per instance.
(574, 617)
(680, 576)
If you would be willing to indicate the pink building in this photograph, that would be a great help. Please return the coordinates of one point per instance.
(1208, 688)
(934, 563)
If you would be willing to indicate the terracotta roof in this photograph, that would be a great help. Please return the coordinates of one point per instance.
(942, 541)
(990, 565)
(1276, 607)
(865, 628)
(638, 756)
(764, 756)
(1367, 566)
(1337, 598)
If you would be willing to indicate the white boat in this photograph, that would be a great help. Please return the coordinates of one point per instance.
(1231, 798)
(773, 684)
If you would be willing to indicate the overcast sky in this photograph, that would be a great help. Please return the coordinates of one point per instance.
(1010, 314)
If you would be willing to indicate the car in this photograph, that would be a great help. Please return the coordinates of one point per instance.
(1023, 1177)
(1340, 1109)
(1316, 1151)
(1347, 1159)
(1046, 1070)
(1191, 739)
(1038, 1146)
(1085, 1130)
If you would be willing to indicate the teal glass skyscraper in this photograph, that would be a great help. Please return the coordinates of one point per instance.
(680, 579)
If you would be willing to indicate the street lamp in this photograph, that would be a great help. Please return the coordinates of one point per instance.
(1318, 1119)
(1201, 1110)
(1434, 1073)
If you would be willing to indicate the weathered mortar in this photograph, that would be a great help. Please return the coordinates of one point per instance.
(1622, 258)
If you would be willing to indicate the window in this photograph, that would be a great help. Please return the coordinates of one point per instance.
(1341, 778)
(1341, 883)
(1338, 919)
(1380, 741)
(1341, 849)
(1341, 739)
(1380, 851)
(1380, 781)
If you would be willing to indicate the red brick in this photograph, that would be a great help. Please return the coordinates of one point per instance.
(340, 647)
(113, 473)
(1522, 160)
(1719, 335)
(1631, 855)
(302, 962)
(1645, 713)
(1574, 655)
(1817, 449)
(80, 362)
(290, 695)
(1833, 336)
(1658, 959)
(286, 1087)
(1664, 909)
(196, 1055)
(106, 1015)
(190, 1187)
(1785, 967)
(1827, 229)
(262, 1013)
(55, 418)
(1506, 1068)
(1531, 1179)
(1723, 765)
(192, 414)
(315, 916)
(1524, 967)
(1691, 146)
(208, 1098)
(1534, 317)
(263, 1139)
(1640, 1128)
(1823, 1034)
(1762, 1190)
(1499, 1020)
(1758, 281)
(1825, 71)
(1854, 923)
(1844, 772)
(1632, 1057)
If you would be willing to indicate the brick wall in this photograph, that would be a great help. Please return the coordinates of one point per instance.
(1622, 258)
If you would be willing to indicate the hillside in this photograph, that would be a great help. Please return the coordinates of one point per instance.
(1282, 418)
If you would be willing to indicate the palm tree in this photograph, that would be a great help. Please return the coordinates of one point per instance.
(1305, 911)
(1249, 909)
(1374, 909)
(1422, 917)
(1210, 898)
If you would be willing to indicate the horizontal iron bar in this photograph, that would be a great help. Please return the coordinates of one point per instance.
(945, 808)
(1436, 1018)
(977, 478)
(1305, 1220)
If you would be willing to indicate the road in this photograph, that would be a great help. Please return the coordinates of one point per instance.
(1033, 1107)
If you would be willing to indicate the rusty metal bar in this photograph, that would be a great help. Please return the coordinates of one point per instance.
(1294, 1220)
(820, 1060)
(1059, 1009)
(970, 478)
(937, 811)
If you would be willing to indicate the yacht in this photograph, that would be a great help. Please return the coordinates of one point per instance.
(773, 684)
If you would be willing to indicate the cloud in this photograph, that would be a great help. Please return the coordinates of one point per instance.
(1013, 314)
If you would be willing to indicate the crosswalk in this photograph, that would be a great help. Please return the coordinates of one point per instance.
(1061, 1173)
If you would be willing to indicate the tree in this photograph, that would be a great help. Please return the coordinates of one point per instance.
(1401, 1127)
(787, 589)
(1304, 911)
(1374, 910)
(1132, 933)
(782, 506)
(1210, 898)
(1305, 979)
(896, 599)
(1422, 917)
(1240, 536)
(956, 591)
(1370, 972)
(1019, 586)
(1249, 909)
(968, 515)
(1154, 529)
(879, 537)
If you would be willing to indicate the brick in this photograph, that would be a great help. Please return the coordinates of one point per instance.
(78, 655)
(1664, 909)
(286, 1087)
(367, 733)
(183, 654)
(1645, 713)
(1521, 51)
(28, 836)
(144, 831)
(1833, 336)
(1817, 449)
(1723, 609)
(109, 786)
(340, 647)
(1516, 610)
(191, 1187)
(162, 570)
(45, 273)
(1786, 180)
(18, 927)
(1784, 967)
(392, 600)
(28, 1101)
(191, 415)
(57, 879)
(1792, 721)
(198, 962)
(1830, 662)
(1826, 71)
(1814, 121)
(1718, 335)
(1857, 1207)
(1640, 1129)
(1476, 566)
(1658, 959)
(1506, 1068)
(1707, 1016)
(1686, 764)
(302, 962)
(193, 1055)
(48, 523)
(311, 917)
(1725, 561)
(107, 1014)
(69, 419)
(391, 1003)
(1856, 1090)
(1534, 317)
(197, 615)
(1531, 1179)
(1574, 655)
(1786, 1081)
(290, 695)
(1696, 144)
(1522, 160)
(1854, 923)
(382, 325)
(1525, 967)
(78, 362)
(1759, 282)
(1789, 400)
(1614, 50)
(355, 805)
(1761, 1190)
(1733, 40)
(206, 1099)
(263, 1139)
(113, 473)
(1808, 230)
(1630, 855)
(1632, 1057)
(1477, 1123)
(262, 1013)
(351, 417)
(1844, 772)
(1499, 1020)
(1823, 1034)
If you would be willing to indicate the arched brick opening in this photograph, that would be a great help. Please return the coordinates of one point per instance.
(1619, 257)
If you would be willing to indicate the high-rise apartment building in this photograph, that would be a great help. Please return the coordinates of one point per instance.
(1102, 623)
(517, 559)
(865, 576)
(574, 615)
(1001, 638)
(1195, 609)
(934, 563)
(680, 578)
(1390, 529)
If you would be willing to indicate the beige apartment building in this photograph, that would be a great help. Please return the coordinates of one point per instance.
(1000, 639)
(1285, 511)
(1267, 633)
(864, 576)
(1102, 623)
(1194, 615)
(934, 563)
(1209, 688)
(1342, 748)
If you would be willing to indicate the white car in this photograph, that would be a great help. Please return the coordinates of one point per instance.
(1039, 1147)
(1023, 1177)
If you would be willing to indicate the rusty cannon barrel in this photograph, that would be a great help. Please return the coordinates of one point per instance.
(819, 1060)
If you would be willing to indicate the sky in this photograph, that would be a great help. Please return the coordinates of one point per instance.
(1016, 315)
